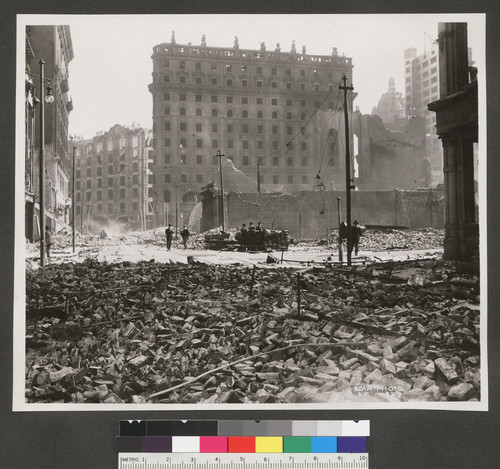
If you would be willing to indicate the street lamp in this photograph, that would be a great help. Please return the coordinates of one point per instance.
(45, 97)
(73, 200)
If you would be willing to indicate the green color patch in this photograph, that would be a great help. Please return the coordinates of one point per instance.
(296, 444)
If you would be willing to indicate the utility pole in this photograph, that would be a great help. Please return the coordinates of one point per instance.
(220, 155)
(348, 180)
(176, 207)
(81, 208)
(258, 174)
(42, 164)
(339, 208)
(73, 200)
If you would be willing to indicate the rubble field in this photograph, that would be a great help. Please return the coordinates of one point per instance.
(152, 332)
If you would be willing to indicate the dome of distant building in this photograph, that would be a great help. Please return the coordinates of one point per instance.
(391, 105)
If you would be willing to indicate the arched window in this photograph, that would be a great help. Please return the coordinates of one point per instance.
(288, 115)
(183, 111)
(214, 112)
(198, 112)
(274, 115)
(244, 113)
(166, 196)
(229, 113)
(260, 114)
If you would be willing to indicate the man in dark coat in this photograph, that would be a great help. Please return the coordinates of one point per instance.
(169, 233)
(356, 233)
(185, 236)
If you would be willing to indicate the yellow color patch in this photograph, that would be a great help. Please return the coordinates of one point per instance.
(268, 444)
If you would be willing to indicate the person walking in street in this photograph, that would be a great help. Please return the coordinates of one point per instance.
(48, 241)
(259, 227)
(169, 233)
(185, 236)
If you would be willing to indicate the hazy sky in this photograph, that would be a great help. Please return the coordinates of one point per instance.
(112, 67)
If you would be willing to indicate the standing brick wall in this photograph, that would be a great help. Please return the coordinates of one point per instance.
(313, 214)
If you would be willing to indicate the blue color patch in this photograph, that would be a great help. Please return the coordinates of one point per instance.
(323, 444)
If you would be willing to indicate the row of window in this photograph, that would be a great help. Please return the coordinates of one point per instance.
(244, 113)
(110, 194)
(241, 68)
(111, 208)
(110, 182)
(230, 144)
(245, 160)
(109, 145)
(215, 127)
(99, 159)
(244, 100)
(111, 170)
(244, 82)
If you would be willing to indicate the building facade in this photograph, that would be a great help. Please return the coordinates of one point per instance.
(111, 180)
(53, 45)
(422, 87)
(259, 107)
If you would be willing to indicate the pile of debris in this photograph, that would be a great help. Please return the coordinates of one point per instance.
(394, 239)
(382, 240)
(149, 332)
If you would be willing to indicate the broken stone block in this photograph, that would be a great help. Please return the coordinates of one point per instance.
(430, 370)
(138, 361)
(399, 343)
(349, 363)
(387, 366)
(113, 399)
(446, 370)
(434, 392)
(362, 356)
(344, 332)
(456, 362)
(387, 353)
(409, 352)
(102, 391)
(373, 376)
(375, 350)
(461, 392)
(357, 377)
(343, 384)
(423, 382)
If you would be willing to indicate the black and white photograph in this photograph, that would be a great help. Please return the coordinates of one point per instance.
(250, 212)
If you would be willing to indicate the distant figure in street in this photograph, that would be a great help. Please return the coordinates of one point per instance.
(251, 227)
(259, 227)
(48, 240)
(356, 233)
(185, 236)
(169, 233)
(242, 235)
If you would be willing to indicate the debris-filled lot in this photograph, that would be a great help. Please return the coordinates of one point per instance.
(142, 332)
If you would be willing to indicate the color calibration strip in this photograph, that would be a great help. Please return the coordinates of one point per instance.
(174, 436)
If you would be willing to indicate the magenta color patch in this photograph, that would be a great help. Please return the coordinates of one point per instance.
(213, 444)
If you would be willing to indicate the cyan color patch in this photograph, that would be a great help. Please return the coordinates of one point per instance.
(323, 444)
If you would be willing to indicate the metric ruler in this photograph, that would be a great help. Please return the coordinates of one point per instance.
(243, 461)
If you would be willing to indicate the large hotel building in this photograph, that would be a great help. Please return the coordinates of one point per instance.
(272, 112)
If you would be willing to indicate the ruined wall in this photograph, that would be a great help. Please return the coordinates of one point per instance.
(390, 159)
(313, 214)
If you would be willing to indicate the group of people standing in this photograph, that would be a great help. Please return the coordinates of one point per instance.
(169, 234)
